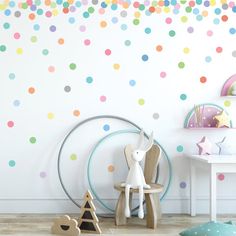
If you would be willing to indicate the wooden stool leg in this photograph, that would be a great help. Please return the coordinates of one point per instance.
(120, 218)
(158, 205)
(151, 216)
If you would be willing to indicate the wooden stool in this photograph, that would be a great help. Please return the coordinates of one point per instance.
(151, 195)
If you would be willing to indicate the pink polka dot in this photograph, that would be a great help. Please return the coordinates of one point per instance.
(108, 52)
(82, 28)
(136, 4)
(168, 20)
(221, 177)
(10, 124)
(219, 49)
(101, 11)
(209, 33)
(17, 35)
(103, 98)
(43, 174)
(231, 4)
(191, 4)
(163, 74)
(51, 69)
(48, 14)
(177, 6)
(87, 42)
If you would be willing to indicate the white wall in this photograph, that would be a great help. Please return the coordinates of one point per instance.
(32, 184)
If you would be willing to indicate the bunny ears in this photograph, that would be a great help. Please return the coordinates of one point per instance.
(141, 142)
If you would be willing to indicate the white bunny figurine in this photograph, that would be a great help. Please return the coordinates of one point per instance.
(135, 178)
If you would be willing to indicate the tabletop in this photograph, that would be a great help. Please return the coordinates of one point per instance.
(211, 159)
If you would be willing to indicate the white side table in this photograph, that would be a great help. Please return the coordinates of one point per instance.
(214, 164)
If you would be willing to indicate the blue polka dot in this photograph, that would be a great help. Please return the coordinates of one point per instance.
(216, 21)
(195, 11)
(114, 20)
(12, 76)
(208, 59)
(124, 27)
(12, 4)
(183, 184)
(176, 11)
(78, 4)
(103, 5)
(106, 127)
(86, 14)
(180, 148)
(217, 11)
(7, 12)
(132, 82)
(36, 27)
(173, 2)
(232, 30)
(11, 163)
(89, 79)
(145, 57)
(147, 30)
(16, 103)
(234, 9)
(166, 3)
(225, 6)
(147, 13)
(114, 7)
(183, 96)
(71, 20)
(59, 2)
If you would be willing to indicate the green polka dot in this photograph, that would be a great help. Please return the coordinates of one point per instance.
(32, 140)
(180, 148)
(227, 103)
(136, 22)
(11, 163)
(73, 157)
(127, 43)
(141, 101)
(183, 96)
(53, 5)
(72, 66)
(91, 10)
(24, 5)
(141, 7)
(181, 65)
(45, 52)
(188, 9)
(172, 33)
(3, 48)
(33, 39)
(6, 25)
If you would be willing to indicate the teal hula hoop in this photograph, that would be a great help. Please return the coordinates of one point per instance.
(101, 141)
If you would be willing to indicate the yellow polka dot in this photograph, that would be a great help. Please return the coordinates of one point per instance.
(212, 2)
(73, 157)
(141, 101)
(116, 66)
(227, 103)
(137, 14)
(2, 7)
(55, 12)
(186, 50)
(107, 1)
(224, 1)
(70, 1)
(184, 19)
(166, 9)
(50, 116)
(19, 51)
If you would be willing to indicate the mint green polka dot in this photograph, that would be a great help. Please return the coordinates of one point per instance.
(3, 48)
(127, 43)
(172, 33)
(34, 39)
(72, 66)
(45, 52)
(73, 157)
(32, 140)
(183, 96)
(91, 10)
(180, 148)
(6, 25)
(11, 163)
(181, 65)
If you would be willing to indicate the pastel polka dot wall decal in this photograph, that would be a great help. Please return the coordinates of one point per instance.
(179, 148)
(155, 116)
(227, 103)
(6, 25)
(61, 41)
(33, 39)
(111, 168)
(181, 65)
(124, 27)
(17, 14)
(73, 157)
(159, 48)
(108, 52)
(11, 163)
(103, 24)
(203, 79)
(147, 30)
(116, 66)
(183, 96)
(184, 19)
(31, 90)
(87, 42)
(234, 53)
(50, 116)
(145, 57)
(163, 74)
(76, 113)
(16, 35)
(32, 140)
(168, 20)
(82, 28)
(19, 51)
(72, 66)
(186, 50)
(219, 49)
(12, 76)
(106, 127)
(36, 27)
(141, 101)
(45, 52)
(209, 33)
(51, 69)
(16, 103)
(67, 89)
(232, 30)
(132, 82)
(221, 177)
(136, 21)
(89, 79)
(3, 48)
(103, 98)
(183, 184)
(190, 29)
(172, 33)
(10, 123)
(208, 59)
(43, 174)
(52, 28)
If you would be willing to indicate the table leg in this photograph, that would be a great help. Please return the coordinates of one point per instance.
(192, 189)
(213, 194)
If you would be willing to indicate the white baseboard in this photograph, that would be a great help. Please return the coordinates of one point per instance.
(225, 205)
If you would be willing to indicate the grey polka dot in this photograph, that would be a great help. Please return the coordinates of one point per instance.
(67, 89)
(234, 53)
(155, 116)
(94, 2)
(123, 13)
(17, 14)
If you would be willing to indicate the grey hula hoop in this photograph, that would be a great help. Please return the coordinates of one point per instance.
(96, 118)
